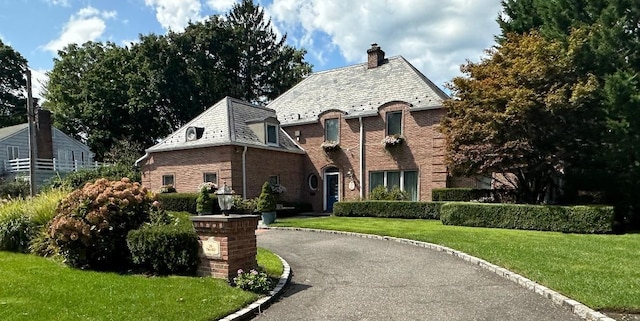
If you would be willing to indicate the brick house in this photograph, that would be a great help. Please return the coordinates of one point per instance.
(331, 133)
(233, 142)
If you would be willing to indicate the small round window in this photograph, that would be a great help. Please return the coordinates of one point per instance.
(313, 182)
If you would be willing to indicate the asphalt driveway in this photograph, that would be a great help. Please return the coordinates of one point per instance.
(338, 277)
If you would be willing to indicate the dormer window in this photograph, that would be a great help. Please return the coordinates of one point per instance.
(394, 123)
(272, 134)
(331, 130)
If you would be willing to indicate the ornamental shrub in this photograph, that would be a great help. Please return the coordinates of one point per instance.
(92, 223)
(203, 202)
(266, 200)
(389, 209)
(570, 219)
(16, 231)
(183, 202)
(15, 188)
(380, 193)
(164, 249)
(473, 194)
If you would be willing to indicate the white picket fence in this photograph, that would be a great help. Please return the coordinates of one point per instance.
(22, 165)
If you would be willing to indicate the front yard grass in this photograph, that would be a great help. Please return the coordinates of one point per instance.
(601, 271)
(35, 288)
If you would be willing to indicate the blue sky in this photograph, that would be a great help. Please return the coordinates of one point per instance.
(435, 36)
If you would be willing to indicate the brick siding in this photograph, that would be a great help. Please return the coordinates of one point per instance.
(423, 150)
(189, 165)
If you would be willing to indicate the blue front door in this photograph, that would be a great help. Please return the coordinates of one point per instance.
(332, 194)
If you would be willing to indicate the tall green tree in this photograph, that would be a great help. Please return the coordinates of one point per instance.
(613, 39)
(13, 87)
(103, 93)
(525, 112)
(87, 94)
(266, 66)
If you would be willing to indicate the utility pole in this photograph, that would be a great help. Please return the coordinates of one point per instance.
(33, 145)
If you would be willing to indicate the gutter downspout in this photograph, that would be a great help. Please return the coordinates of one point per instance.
(141, 159)
(361, 157)
(244, 173)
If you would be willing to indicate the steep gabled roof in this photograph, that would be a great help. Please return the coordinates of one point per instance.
(226, 123)
(12, 130)
(357, 91)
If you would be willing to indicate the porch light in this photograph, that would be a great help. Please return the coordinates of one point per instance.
(225, 198)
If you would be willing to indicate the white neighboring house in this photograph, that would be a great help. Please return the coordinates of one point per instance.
(57, 152)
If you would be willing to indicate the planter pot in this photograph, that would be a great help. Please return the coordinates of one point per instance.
(268, 217)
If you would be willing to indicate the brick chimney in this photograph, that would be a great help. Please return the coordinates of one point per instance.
(376, 56)
(44, 134)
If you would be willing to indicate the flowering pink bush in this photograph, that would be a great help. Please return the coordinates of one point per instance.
(92, 223)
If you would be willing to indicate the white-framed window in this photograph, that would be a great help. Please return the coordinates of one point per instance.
(405, 180)
(394, 123)
(13, 152)
(332, 130)
(210, 178)
(167, 179)
(272, 134)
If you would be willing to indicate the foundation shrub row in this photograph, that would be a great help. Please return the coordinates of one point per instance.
(389, 209)
(569, 219)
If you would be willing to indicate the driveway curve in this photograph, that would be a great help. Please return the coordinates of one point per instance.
(341, 277)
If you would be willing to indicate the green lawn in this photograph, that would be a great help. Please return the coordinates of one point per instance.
(601, 271)
(35, 288)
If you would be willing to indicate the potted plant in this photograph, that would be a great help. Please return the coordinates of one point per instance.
(267, 204)
(203, 202)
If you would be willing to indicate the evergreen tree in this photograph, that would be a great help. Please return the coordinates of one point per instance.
(266, 66)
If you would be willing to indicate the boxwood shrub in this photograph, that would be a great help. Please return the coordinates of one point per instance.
(459, 194)
(391, 209)
(570, 219)
(184, 202)
(164, 249)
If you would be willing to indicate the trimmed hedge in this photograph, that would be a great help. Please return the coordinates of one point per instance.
(459, 194)
(569, 219)
(390, 209)
(164, 249)
(184, 202)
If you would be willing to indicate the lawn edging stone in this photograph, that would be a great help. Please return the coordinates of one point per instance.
(256, 307)
(574, 306)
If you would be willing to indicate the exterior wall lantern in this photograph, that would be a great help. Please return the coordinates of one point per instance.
(225, 198)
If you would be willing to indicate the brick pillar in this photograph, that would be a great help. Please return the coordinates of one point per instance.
(227, 243)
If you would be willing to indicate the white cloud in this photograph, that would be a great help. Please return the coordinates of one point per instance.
(88, 24)
(435, 36)
(63, 3)
(175, 15)
(221, 5)
(39, 81)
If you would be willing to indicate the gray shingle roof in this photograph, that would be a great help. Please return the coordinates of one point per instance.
(357, 91)
(226, 123)
(11, 130)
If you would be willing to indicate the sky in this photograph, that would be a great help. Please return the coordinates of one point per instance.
(436, 36)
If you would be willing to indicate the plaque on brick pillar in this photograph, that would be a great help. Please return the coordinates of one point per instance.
(227, 243)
